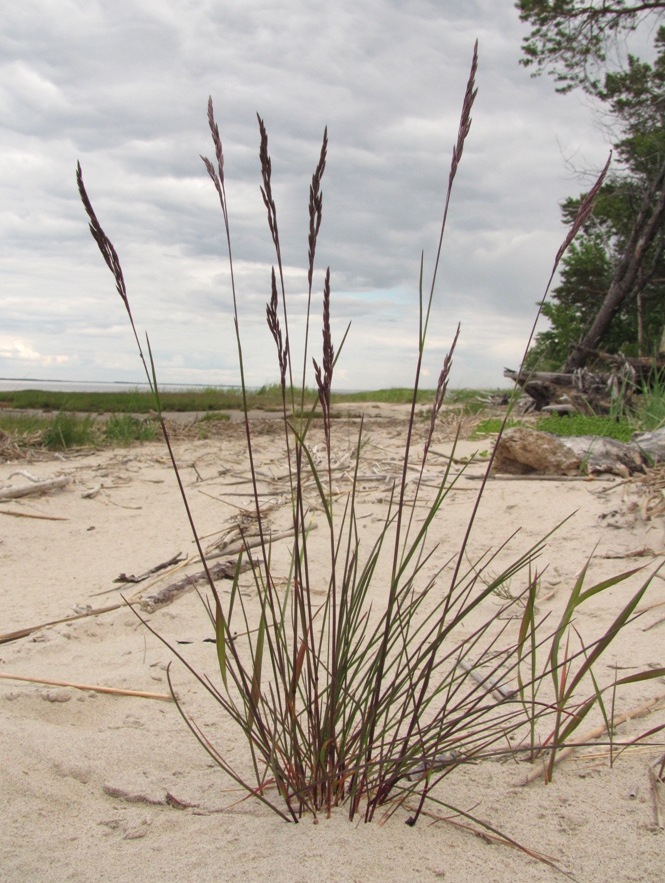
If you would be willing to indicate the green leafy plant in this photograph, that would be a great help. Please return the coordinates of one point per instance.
(371, 693)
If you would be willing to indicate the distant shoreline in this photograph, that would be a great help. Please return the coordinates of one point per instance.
(37, 383)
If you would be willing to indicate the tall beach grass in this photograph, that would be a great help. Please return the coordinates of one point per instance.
(363, 673)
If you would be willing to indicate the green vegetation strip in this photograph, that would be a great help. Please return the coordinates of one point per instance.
(577, 424)
(66, 430)
(268, 398)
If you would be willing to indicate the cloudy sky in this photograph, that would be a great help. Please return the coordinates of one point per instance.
(122, 86)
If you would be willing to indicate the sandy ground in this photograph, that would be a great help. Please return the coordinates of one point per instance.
(85, 774)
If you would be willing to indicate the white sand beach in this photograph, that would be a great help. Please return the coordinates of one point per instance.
(98, 786)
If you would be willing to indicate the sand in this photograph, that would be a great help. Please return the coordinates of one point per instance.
(98, 786)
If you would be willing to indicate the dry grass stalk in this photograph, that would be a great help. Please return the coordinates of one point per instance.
(33, 515)
(634, 714)
(658, 797)
(114, 691)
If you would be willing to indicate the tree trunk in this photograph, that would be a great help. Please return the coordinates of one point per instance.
(647, 226)
(640, 323)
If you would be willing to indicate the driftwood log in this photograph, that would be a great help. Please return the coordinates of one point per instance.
(585, 391)
(37, 487)
(522, 451)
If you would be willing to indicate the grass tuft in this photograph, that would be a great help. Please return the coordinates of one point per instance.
(363, 672)
(69, 431)
(124, 430)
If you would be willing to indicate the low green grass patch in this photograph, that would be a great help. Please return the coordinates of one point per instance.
(492, 425)
(575, 424)
(70, 431)
(20, 426)
(65, 430)
(583, 424)
(123, 429)
(394, 396)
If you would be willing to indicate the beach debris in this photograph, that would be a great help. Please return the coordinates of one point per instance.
(33, 515)
(37, 486)
(125, 578)
(92, 492)
(584, 391)
(7, 637)
(540, 770)
(114, 691)
(133, 797)
(168, 594)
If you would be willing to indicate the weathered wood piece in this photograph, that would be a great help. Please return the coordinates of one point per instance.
(651, 446)
(37, 487)
(131, 578)
(586, 391)
(222, 570)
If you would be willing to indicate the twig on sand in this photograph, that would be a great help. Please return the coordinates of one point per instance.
(130, 797)
(7, 637)
(489, 835)
(125, 578)
(491, 685)
(250, 542)
(115, 691)
(644, 552)
(223, 570)
(33, 515)
(641, 711)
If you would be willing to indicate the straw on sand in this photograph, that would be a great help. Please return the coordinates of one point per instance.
(115, 691)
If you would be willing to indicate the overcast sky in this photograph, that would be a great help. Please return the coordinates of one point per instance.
(122, 86)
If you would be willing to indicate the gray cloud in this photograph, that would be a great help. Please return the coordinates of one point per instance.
(123, 87)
